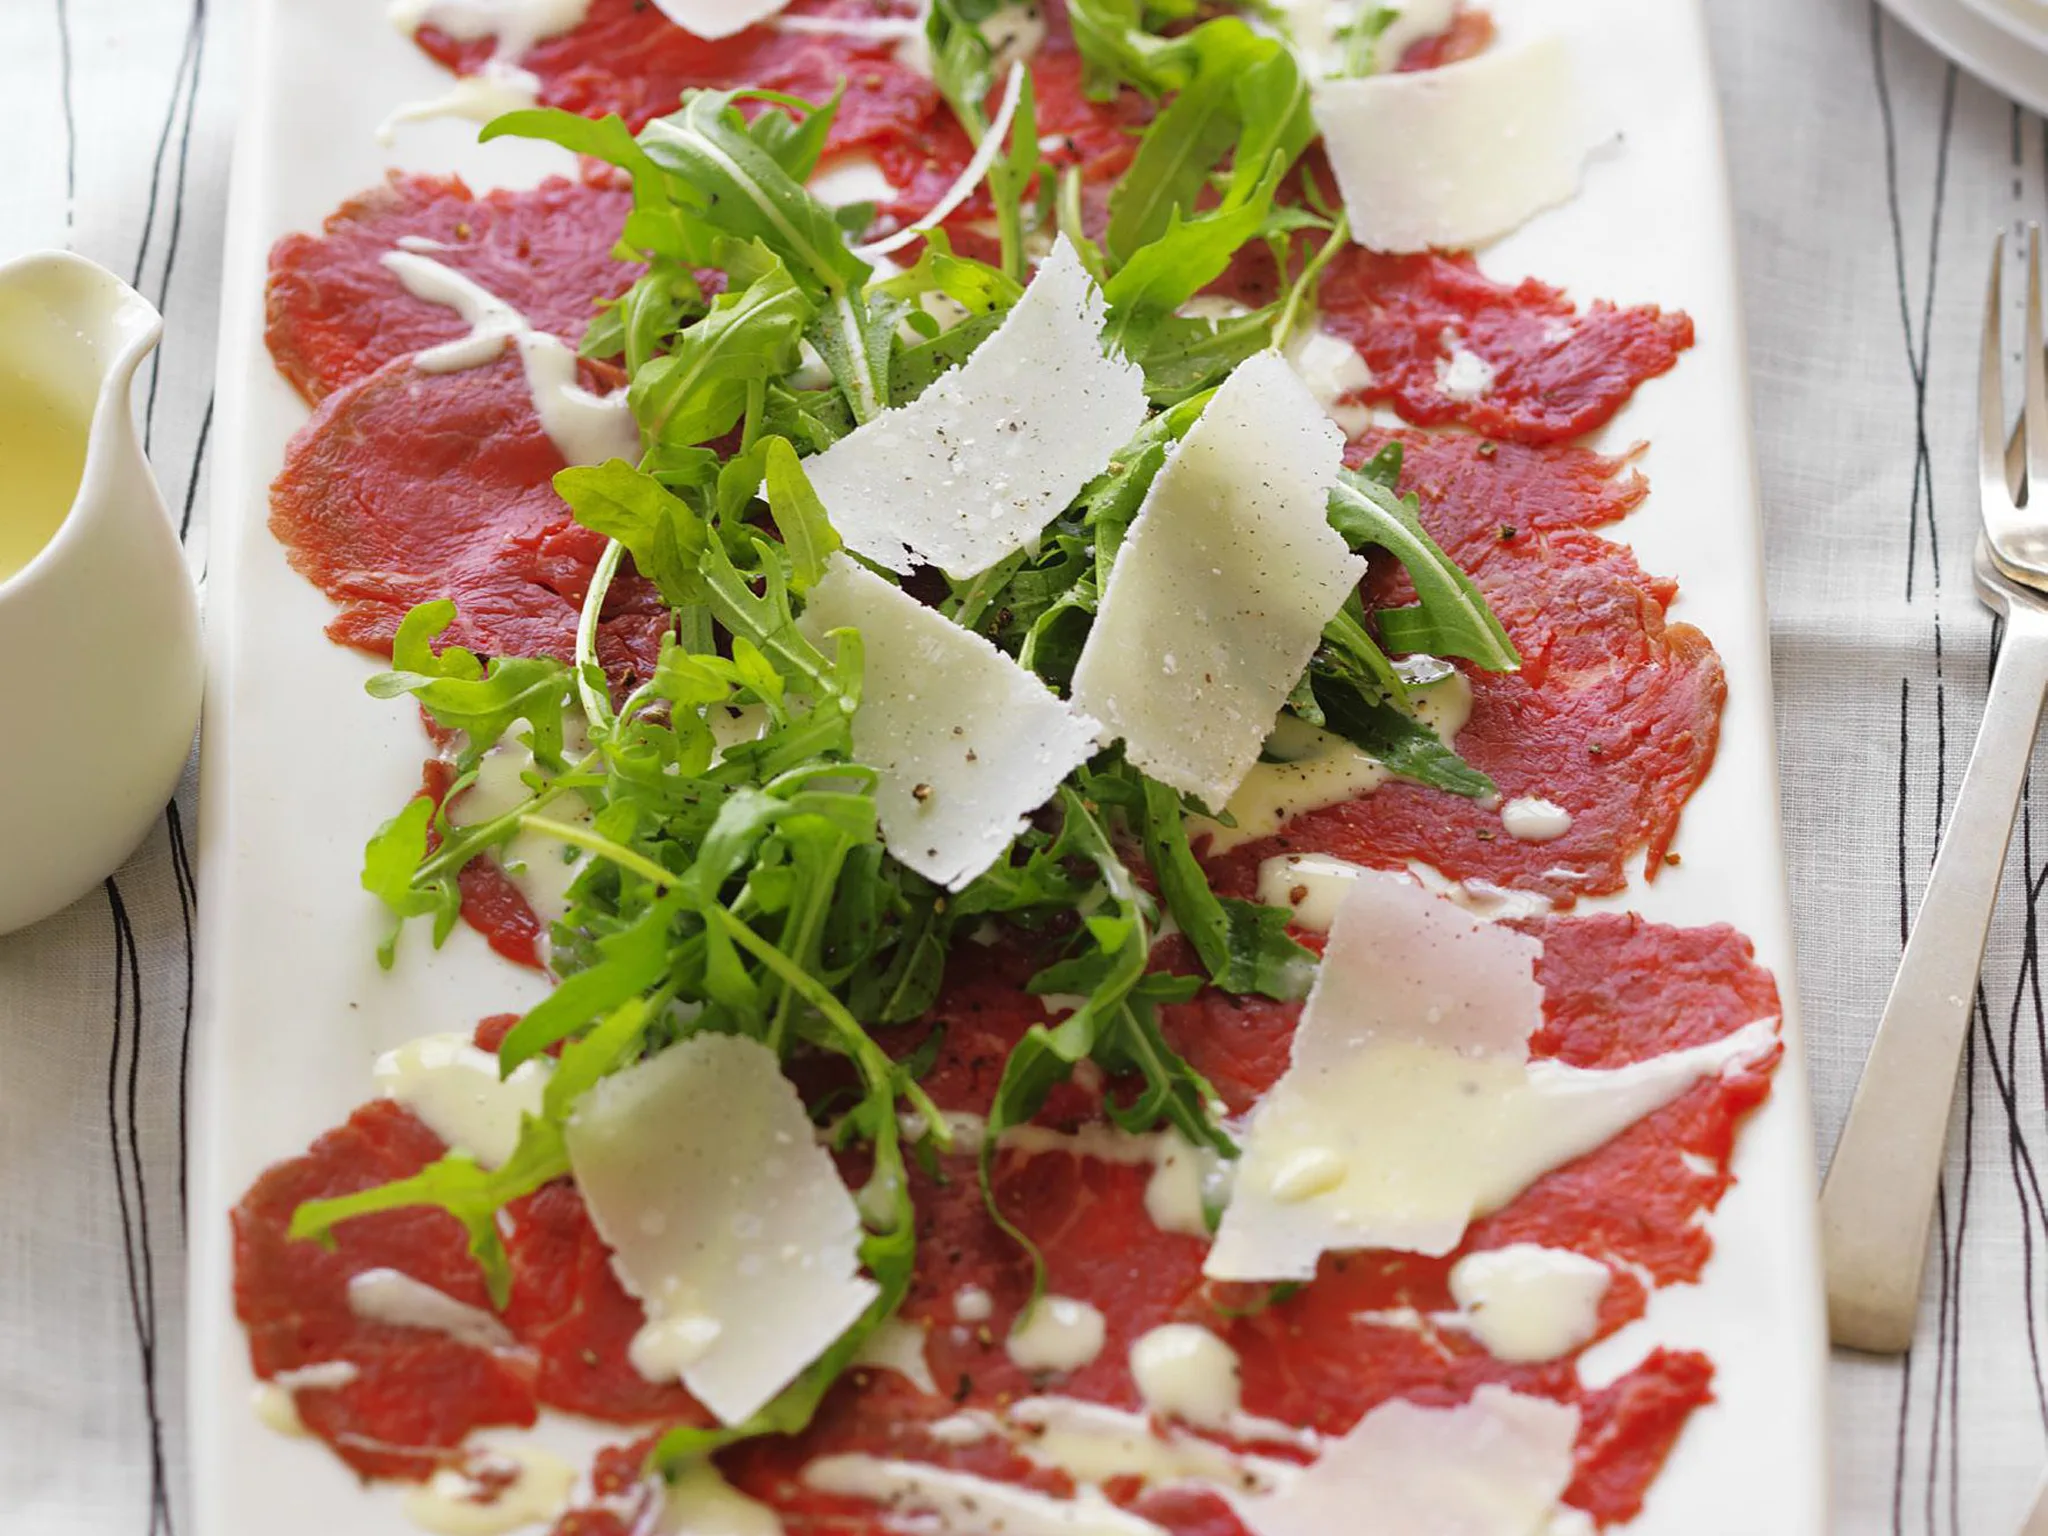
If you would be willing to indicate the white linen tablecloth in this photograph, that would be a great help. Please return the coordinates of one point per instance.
(1869, 177)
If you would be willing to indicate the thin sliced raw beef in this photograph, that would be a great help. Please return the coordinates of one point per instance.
(1478, 491)
(407, 487)
(335, 315)
(417, 1393)
(1553, 372)
(569, 1307)
(1617, 989)
(1614, 716)
(627, 57)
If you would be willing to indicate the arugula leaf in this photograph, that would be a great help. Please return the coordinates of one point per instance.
(1404, 744)
(1171, 168)
(800, 517)
(1244, 946)
(1450, 618)
(391, 859)
(483, 708)
(714, 368)
(1189, 255)
(664, 536)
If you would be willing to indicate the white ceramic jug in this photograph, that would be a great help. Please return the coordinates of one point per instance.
(100, 667)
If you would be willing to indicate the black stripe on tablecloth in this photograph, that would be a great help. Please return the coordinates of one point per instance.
(184, 103)
(1916, 320)
(131, 1189)
(188, 906)
(192, 479)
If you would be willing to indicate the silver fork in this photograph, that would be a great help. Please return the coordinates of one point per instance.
(1878, 1201)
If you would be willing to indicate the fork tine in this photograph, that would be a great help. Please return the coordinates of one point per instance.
(2036, 412)
(1991, 436)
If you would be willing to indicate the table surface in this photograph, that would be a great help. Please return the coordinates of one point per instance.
(1869, 178)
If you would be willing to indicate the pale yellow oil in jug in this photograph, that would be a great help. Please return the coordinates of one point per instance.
(42, 455)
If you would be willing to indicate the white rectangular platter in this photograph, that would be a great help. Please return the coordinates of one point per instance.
(300, 765)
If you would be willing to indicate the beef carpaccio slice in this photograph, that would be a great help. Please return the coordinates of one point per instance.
(626, 57)
(1614, 715)
(334, 314)
(1617, 989)
(407, 487)
(1549, 372)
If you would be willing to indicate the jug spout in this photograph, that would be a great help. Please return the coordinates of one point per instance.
(73, 318)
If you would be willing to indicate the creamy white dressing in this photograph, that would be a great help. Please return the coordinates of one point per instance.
(1530, 820)
(699, 1502)
(1334, 372)
(1058, 1333)
(948, 1503)
(505, 1488)
(1185, 1372)
(323, 1375)
(898, 1345)
(1527, 1303)
(276, 1401)
(1092, 1443)
(1482, 898)
(1461, 373)
(970, 1426)
(455, 1089)
(542, 867)
(1314, 885)
(396, 1299)
(499, 87)
(972, 1304)
(585, 428)
(850, 179)
(516, 24)
(1305, 768)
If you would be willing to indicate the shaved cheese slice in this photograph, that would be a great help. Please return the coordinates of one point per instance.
(718, 18)
(1410, 1105)
(1221, 590)
(725, 1218)
(977, 465)
(1493, 1466)
(1453, 157)
(967, 743)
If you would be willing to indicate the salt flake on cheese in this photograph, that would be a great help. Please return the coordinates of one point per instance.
(967, 743)
(1410, 1105)
(725, 1218)
(1221, 589)
(1453, 157)
(977, 465)
(1493, 1466)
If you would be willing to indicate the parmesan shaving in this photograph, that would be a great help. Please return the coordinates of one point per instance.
(1453, 157)
(1410, 1105)
(967, 743)
(1221, 589)
(725, 1218)
(977, 465)
(1493, 1466)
